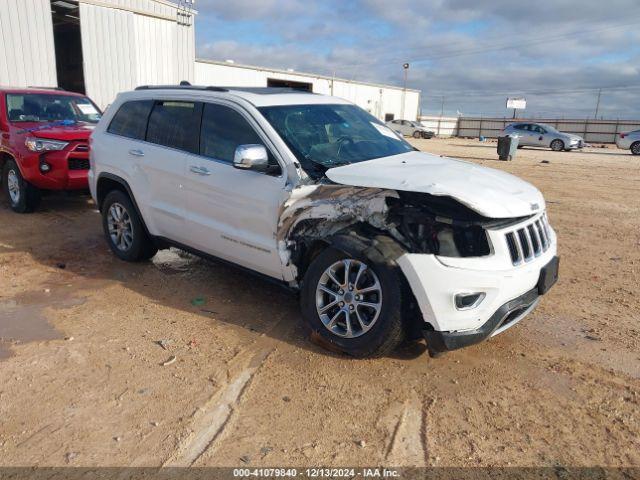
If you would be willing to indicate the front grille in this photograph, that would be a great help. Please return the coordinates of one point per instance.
(529, 241)
(79, 164)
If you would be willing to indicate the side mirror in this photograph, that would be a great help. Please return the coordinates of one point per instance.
(251, 157)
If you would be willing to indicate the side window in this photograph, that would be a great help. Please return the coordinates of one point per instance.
(175, 124)
(223, 130)
(131, 119)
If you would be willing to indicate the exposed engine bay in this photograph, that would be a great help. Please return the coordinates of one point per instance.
(419, 222)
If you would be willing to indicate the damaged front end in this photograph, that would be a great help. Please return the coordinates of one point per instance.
(418, 222)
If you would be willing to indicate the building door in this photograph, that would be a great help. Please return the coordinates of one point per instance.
(304, 86)
(68, 45)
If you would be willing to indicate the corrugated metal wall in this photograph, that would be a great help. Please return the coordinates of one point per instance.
(108, 50)
(123, 49)
(27, 52)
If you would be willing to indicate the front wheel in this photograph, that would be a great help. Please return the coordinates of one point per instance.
(353, 303)
(23, 197)
(557, 145)
(123, 229)
(635, 148)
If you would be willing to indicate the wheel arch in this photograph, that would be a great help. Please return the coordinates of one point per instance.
(381, 248)
(108, 182)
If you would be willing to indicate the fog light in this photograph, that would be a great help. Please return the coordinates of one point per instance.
(45, 167)
(467, 301)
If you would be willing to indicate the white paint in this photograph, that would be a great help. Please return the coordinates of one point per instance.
(492, 193)
(435, 281)
(374, 98)
(516, 103)
(27, 52)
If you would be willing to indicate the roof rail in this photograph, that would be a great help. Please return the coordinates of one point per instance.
(181, 87)
(47, 88)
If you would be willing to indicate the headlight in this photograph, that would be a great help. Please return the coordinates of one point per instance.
(42, 145)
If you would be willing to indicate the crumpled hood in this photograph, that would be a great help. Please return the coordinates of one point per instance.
(492, 193)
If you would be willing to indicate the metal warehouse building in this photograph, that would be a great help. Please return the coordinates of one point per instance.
(102, 47)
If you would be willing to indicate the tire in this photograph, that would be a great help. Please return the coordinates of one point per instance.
(417, 134)
(385, 330)
(23, 197)
(557, 145)
(132, 244)
(635, 148)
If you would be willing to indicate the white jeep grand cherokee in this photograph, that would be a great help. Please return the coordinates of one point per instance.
(382, 241)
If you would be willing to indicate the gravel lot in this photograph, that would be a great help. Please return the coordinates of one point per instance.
(82, 380)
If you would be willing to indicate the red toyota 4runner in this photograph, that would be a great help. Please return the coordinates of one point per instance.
(44, 143)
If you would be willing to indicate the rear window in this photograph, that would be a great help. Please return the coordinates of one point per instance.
(131, 119)
(175, 124)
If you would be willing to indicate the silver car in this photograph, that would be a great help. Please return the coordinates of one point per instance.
(542, 135)
(629, 141)
(410, 129)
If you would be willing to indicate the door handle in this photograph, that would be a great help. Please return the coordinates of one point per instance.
(136, 153)
(199, 170)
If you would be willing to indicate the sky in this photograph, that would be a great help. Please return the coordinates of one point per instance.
(469, 55)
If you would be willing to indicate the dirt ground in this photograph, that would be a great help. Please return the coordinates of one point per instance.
(82, 380)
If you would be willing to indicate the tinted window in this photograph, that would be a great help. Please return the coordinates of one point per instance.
(131, 120)
(175, 124)
(223, 130)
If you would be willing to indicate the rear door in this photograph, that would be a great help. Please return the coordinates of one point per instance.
(232, 213)
(152, 136)
(172, 134)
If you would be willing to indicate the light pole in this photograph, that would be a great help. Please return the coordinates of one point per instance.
(404, 89)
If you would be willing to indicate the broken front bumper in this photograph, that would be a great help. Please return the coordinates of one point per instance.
(508, 292)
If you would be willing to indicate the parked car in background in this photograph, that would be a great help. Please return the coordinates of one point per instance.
(543, 135)
(45, 143)
(629, 141)
(410, 128)
(383, 242)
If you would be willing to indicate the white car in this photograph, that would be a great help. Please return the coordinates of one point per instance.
(382, 242)
(629, 141)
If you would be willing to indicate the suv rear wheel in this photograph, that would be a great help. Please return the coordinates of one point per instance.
(123, 229)
(23, 197)
(353, 303)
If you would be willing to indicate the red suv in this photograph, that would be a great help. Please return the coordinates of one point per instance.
(44, 143)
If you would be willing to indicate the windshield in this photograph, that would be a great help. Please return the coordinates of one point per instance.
(36, 107)
(326, 136)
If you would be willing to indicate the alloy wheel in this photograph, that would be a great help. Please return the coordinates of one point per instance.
(13, 185)
(349, 298)
(120, 227)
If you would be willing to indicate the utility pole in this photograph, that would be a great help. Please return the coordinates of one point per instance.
(404, 90)
(598, 103)
(442, 107)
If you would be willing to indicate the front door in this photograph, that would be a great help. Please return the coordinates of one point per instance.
(232, 213)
